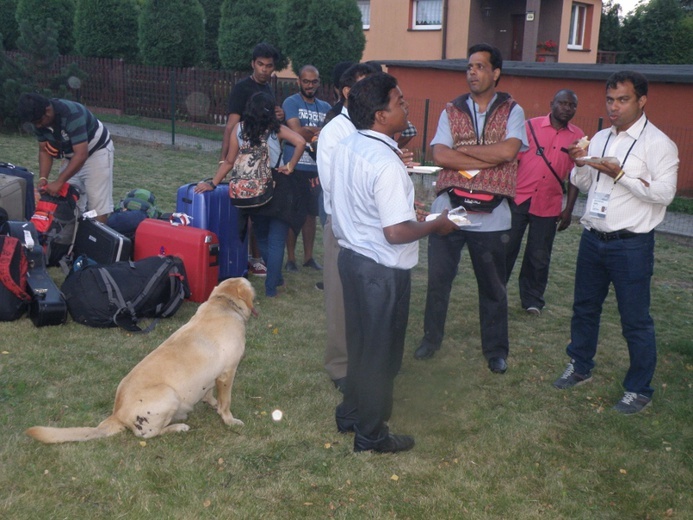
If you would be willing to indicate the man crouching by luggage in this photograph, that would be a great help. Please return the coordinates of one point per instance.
(67, 130)
(375, 223)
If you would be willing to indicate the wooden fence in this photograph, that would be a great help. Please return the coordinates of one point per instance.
(190, 94)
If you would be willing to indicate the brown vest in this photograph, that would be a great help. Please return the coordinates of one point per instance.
(500, 179)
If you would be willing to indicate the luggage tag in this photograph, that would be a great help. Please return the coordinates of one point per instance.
(180, 219)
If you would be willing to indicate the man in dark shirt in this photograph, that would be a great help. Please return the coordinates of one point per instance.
(265, 58)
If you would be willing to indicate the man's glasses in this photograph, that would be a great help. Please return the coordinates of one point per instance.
(310, 81)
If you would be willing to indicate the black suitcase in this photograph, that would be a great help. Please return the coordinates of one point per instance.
(47, 306)
(101, 243)
(18, 171)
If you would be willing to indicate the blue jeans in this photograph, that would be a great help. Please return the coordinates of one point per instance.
(628, 264)
(270, 233)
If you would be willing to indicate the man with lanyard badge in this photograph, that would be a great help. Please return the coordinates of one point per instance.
(629, 173)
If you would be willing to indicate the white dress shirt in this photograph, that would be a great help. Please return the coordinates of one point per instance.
(371, 190)
(632, 205)
(333, 132)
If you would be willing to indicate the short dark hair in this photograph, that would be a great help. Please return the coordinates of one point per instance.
(338, 70)
(353, 73)
(265, 50)
(368, 96)
(496, 58)
(31, 107)
(639, 81)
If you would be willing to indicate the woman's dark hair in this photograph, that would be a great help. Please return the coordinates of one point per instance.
(638, 80)
(368, 96)
(259, 118)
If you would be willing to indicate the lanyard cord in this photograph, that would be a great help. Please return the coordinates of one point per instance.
(629, 149)
(479, 137)
(394, 150)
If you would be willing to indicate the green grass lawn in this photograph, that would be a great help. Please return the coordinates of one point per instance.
(488, 446)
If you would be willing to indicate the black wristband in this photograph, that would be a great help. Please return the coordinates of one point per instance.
(211, 183)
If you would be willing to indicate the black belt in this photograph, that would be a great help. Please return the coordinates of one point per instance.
(614, 235)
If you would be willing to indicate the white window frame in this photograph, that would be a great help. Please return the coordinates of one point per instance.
(365, 7)
(578, 21)
(426, 27)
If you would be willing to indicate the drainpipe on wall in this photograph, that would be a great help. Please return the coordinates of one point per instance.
(444, 49)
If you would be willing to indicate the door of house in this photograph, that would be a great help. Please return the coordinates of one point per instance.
(518, 35)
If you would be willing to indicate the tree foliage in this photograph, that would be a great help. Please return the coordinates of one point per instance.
(647, 32)
(322, 33)
(656, 31)
(212, 9)
(106, 29)
(244, 24)
(610, 27)
(36, 13)
(32, 68)
(9, 29)
(171, 33)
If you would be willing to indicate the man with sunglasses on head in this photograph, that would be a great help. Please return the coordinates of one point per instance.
(305, 115)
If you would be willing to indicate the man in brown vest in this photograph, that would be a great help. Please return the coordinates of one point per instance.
(478, 138)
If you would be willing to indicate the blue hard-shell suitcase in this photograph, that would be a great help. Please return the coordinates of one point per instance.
(212, 210)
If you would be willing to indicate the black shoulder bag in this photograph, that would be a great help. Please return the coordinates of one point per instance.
(540, 152)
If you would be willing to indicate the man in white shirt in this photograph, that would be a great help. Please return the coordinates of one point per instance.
(338, 128)
(627, 197)
(375, 223)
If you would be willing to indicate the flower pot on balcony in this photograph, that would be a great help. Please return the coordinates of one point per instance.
(547, 57)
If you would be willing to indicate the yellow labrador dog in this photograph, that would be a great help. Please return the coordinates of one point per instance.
(163, 387)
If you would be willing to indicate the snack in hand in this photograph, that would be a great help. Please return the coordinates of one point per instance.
(583, 142)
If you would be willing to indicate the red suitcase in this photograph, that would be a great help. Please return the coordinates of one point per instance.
(198, 248)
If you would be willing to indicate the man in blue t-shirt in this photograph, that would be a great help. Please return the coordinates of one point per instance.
(305, 114)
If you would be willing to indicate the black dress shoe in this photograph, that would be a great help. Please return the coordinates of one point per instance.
(497, 365)
(388, 444)
(425, 351)
(340, 384)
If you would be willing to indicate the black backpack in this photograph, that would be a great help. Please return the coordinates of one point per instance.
(123, 293)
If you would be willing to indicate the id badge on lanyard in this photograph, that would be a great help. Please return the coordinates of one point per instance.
(600, 204)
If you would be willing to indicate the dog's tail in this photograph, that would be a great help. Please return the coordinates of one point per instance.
(49, 435)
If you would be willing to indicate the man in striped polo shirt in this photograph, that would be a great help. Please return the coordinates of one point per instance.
(68, 131)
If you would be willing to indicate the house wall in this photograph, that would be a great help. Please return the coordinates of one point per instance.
(390, 37)
(589, 54)
(534, 95)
